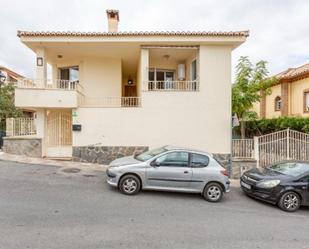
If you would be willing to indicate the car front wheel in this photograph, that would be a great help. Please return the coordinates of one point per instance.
(213, 192)
(130, 185)
(289, 202)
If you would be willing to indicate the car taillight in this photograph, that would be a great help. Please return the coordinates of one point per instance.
(224, 172)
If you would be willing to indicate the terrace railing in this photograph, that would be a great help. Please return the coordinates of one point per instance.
(112, 102)
(190, 86)
(50, 84)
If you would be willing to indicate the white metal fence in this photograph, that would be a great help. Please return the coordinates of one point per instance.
(242, 148)
(274, 147)
(20, 127)
(282, 145)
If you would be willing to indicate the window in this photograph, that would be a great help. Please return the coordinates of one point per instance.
(278, 103)
(150, 154)
(306, 100)
(193, 70)
(174, 159)
(69, 73)
(199, 161)
(160, 79)
(160, 75)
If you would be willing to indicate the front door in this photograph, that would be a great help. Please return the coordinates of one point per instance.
(170, 170)
(59, 133)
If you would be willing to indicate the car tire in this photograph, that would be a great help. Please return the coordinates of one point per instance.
(289, 201)
(130, 185)
(213, 192)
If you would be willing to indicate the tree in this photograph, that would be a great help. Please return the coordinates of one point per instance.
(249, 83)
(7, 107)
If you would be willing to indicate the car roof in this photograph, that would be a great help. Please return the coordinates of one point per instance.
(188, 149)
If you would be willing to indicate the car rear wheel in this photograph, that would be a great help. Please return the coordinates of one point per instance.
(289, 202)
(130, 185)
(213, 192)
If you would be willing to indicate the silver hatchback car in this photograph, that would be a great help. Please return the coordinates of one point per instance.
(170, 168)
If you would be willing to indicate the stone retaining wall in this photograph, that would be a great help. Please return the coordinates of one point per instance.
(104, 154)
(31, 147)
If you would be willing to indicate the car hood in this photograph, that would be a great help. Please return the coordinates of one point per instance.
(123, 161)
(265, 174)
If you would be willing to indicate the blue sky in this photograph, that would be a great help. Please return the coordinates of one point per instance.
(279, 29)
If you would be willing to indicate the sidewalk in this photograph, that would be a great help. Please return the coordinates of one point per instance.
(66, 164)
(42, 161)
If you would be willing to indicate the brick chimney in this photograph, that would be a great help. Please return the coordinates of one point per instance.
(113, 19)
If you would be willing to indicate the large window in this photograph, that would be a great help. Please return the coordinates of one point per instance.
(161, 75)
(278, 103)
(174, 159)
(161, 79)
(306, 101)
(69, 73)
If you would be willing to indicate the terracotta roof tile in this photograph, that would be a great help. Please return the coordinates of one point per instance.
(293, 74)
(133, 33)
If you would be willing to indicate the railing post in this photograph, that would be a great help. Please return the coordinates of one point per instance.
(288, 144)
(256, 151)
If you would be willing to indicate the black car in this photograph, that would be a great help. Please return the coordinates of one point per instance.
(285, 184)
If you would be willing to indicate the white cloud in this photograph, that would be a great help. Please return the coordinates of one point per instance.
(279, 28)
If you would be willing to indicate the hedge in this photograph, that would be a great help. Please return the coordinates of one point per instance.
(265, 126)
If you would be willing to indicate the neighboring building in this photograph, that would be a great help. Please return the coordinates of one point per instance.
(10, 76)
(289, 97)
(13, 78)
(123, 92)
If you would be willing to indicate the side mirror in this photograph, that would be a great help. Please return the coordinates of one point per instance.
(155, 164)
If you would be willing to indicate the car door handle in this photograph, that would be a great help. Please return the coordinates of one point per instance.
(186, 172)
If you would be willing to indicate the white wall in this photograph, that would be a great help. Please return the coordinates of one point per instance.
(196, 119)
(101, 77)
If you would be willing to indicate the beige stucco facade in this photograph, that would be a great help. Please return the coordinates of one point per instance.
(113, 102)
(295, 100)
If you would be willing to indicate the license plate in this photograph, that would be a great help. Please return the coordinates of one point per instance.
(245, 185)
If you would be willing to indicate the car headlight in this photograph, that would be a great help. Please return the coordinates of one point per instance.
(268, 184)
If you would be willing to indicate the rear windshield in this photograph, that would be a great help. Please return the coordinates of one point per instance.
(150, 154)
(290, 168)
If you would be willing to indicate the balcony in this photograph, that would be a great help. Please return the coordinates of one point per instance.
(48, 94)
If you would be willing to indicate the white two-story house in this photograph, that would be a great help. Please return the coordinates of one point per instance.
(116, 93)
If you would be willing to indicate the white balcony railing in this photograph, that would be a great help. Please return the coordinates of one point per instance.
(20, 127)
(189, 86)
(50, 84)
(112, 102)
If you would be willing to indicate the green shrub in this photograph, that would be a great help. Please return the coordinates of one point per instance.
(265, 126)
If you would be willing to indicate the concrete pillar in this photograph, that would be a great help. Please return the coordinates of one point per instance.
(40, 121)
(285, 99)
(41, 67)
(144, 66)
(54, 72)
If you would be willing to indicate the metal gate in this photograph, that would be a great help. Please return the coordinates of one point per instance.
(59, 133)
(282, 145)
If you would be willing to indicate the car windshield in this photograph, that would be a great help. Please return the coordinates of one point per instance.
(150, 154)
(290, 168)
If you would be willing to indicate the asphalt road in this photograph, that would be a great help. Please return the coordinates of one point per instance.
(43, 208)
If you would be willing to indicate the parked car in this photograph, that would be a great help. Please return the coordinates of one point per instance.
(285, 184)
(170, 168)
